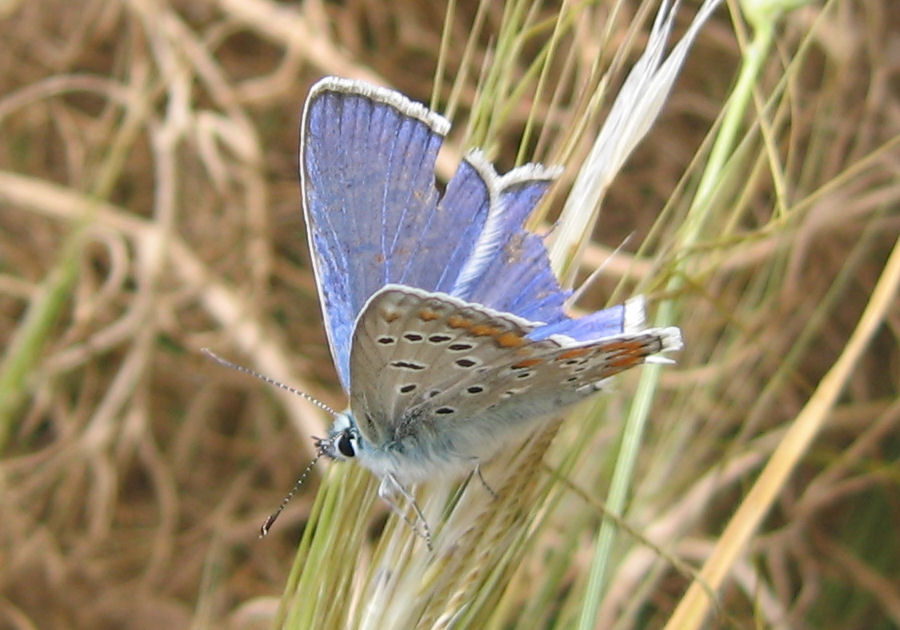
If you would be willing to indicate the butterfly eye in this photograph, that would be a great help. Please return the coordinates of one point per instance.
(345, 445)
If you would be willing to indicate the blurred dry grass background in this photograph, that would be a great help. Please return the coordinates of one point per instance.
(149, 206)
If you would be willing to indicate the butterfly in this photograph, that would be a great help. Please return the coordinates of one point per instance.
(445, 321)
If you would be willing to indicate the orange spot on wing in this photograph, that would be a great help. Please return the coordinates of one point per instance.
(428, 315)
(623, 346)
(455, 321)
(485, 330)
(526, 363)
(390, 316)
(625, 361)
(510, 340)
(624, 354)
(571, 354)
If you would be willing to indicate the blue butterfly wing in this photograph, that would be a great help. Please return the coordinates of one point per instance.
(367, 157)
(441, 252)
(510, 270)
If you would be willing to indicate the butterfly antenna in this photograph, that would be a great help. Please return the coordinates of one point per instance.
(579, 292)
(270, 381)
(267, 524)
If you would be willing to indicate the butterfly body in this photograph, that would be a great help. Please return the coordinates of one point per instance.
(447, 325)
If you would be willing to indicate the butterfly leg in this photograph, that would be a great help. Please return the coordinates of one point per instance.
(388, 489)
(484, 483)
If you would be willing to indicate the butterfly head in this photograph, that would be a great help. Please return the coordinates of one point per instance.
(342, 441)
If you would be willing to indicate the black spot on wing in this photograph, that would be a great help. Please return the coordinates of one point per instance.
(408, 365)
